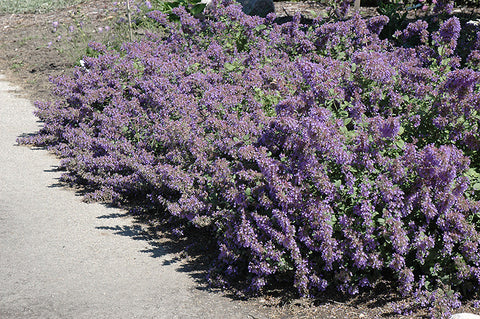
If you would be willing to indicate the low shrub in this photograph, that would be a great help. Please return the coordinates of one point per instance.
(320, 155)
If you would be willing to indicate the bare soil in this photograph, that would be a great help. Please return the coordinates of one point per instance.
(29, 62)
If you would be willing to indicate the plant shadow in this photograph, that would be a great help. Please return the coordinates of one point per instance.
(189, 252)
(193, 251)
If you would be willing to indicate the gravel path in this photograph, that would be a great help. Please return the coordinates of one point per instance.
(62, 258)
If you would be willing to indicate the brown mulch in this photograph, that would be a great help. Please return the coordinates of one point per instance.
(29, 62)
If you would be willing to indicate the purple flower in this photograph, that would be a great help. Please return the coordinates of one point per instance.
(448, 34)
(450, 30)
(389, 128)
(322, 155)
(158, 16)
(189, 24)
(415, 29)
(376, 24)
(461, 81)
(406, 279)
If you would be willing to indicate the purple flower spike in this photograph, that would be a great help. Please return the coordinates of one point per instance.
(450, 30)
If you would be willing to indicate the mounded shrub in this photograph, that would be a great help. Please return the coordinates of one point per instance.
(320, 154)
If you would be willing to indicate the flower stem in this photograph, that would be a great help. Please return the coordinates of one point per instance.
(129, 20)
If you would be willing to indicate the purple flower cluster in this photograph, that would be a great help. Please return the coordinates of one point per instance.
(319, 153)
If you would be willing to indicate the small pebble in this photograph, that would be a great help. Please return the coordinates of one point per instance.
(474, 22)
(464, 316)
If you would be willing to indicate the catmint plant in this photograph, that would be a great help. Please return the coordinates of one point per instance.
(321, 155)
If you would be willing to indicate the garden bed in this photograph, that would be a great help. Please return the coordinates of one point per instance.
(275, 188)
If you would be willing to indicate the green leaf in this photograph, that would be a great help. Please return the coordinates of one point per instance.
(229, 67)
(343, 114)
(332, 220)
(198, 8)
(427, 284)
(167, 6)
(476, 186)
(400, 143)
(472, 172)
(440, 50)
(260, 27)
(354, 67)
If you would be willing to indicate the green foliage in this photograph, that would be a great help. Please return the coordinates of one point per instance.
(268, 100)
(397, 14)
(194, 7)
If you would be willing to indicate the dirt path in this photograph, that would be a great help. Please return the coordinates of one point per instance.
(62, 258)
